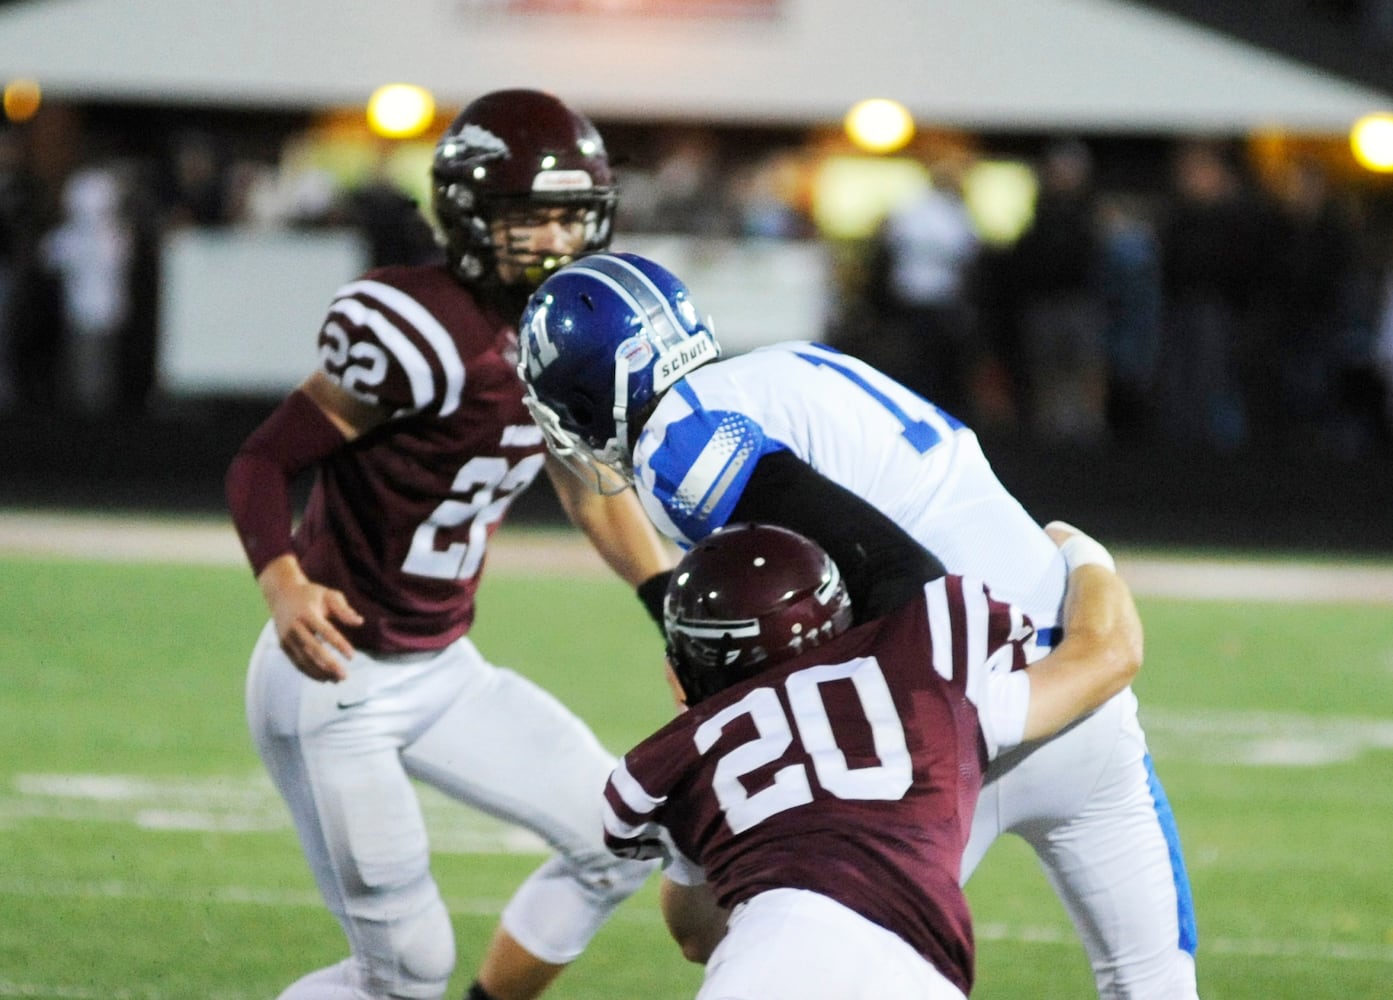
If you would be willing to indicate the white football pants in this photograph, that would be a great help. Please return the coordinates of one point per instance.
(791, 944)
(1088, 802)
(343, 756)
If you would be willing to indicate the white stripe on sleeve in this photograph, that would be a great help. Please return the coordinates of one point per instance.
(1002, 711)
(428, 326)
(940, 627)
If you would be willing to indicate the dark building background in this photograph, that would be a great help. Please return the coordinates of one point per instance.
(165, 455)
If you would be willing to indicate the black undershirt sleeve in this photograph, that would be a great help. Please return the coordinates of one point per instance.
(882, 564)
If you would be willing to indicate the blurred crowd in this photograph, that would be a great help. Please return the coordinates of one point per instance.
(1219, 312)
(80, 257)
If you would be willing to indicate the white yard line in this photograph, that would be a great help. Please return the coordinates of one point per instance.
(242, 896)
(209, 540)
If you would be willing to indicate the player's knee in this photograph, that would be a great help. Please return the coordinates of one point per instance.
(604, 881)
(413, 958)
(615, 881)
(561, 906)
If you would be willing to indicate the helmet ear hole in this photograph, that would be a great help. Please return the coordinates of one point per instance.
(582, 412)
(587, 301)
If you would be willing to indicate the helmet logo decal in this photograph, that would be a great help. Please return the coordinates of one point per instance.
(634, 354)
(538, 351)
(708, 634)
(481, 140)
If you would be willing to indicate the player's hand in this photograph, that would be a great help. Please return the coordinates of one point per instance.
(307, 617)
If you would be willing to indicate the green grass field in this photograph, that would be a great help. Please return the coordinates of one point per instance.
(144, 856)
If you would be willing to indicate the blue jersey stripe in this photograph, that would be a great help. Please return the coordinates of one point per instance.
(706, 460)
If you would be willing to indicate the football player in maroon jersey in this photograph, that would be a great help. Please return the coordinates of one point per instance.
(365, 677)
(821, 787)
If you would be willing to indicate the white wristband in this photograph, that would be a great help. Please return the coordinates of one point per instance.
(1080, 550)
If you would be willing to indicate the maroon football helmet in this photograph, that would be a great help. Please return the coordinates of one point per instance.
(747, 597)
(512, 151)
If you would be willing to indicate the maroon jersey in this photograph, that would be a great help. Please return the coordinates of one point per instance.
(851, 771)
(400, 518)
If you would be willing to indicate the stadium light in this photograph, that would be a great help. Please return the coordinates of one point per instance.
(878, 125)
(1371, 141)
(400, 111)
(22, 99)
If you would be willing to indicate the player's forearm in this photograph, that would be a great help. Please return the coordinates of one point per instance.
(296, 435)
(882, 565)
(628, 543)
(618, 529)
(1099, 656)
(1099, 609)
(279, 577)
(258, 499)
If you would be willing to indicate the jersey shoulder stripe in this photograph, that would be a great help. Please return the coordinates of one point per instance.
(966, 625)
(415, 338)
(706, 457)
(347, 315)
(632, 794)
(631, 827)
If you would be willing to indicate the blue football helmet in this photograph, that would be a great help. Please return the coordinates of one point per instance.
(601, 340)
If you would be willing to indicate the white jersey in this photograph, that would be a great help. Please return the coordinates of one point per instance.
(920, 466)
(1090, 787)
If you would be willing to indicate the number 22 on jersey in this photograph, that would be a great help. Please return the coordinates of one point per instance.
(489, 484)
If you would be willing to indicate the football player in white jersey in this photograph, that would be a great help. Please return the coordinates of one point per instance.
(820, 788)
(366, 678)
(627, 382)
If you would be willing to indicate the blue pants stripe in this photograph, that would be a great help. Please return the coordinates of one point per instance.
(1185, 903)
